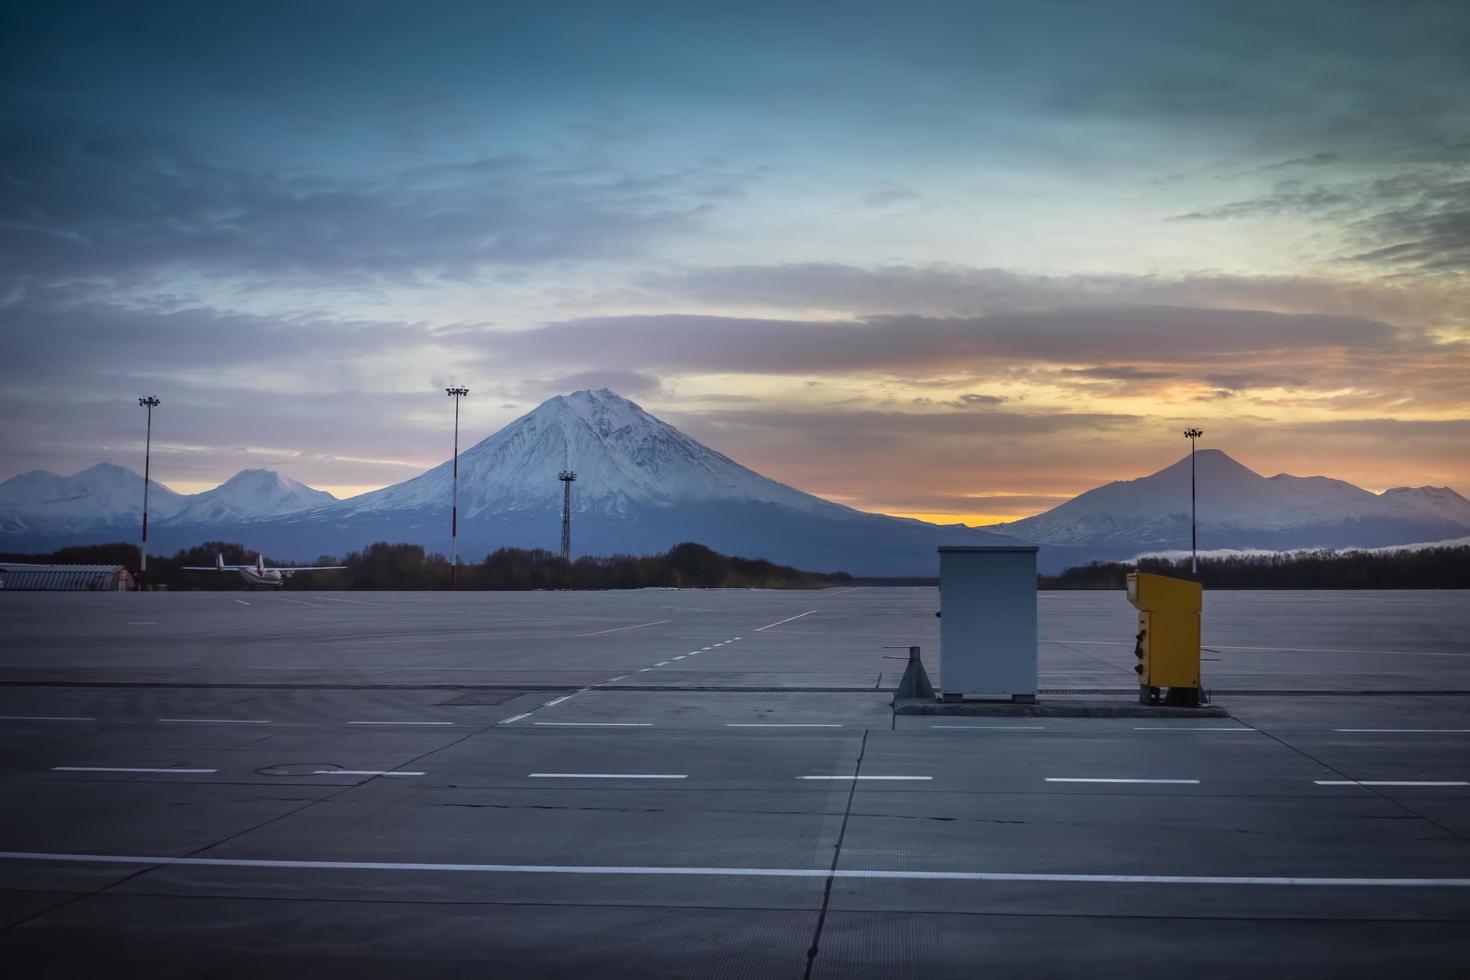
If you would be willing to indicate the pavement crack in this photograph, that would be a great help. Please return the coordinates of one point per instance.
(811, 953)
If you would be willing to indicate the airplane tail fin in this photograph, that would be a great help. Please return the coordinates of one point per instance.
(219, 561)
(260, 565)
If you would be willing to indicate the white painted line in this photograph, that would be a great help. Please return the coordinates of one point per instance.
(364, 772)
(242, 602)
(703, 649)
(400, 723)
(217, 721)
(884, 778)
(43, 718)
(1077, 779)
(682, 656)
(1406, 731)
(355, 602)
(516, 718)
(1165, 728)
(788, 619)
(619, 629)
(991, 728)
(605, 775)
(556, 701)
(644, 670)
(613, 680)
(594, 724)
(122, 769)
(773, 724)
(1391, 782)
(298, 602)
(663, 663)
(715, 872)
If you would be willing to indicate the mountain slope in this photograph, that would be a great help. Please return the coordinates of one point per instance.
(1239, 508)
(100, 496)
(622, 455)
(248, 496)
(642, 486)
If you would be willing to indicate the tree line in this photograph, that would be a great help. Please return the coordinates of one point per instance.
(387, 566)
(1424, 568)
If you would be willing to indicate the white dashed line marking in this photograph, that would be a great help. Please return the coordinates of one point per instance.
(1081, 779)
(507, 721)
(990, 728)
(881, 778)
(1391, 782)
(43, 718)
(594, 724)
(788, 619)
(606, 775)
(124, 769)
(1405, 731)
(364, 772)
(217, 721)
(400, 723)
(619, 629)
(773, 724)
(556, 701)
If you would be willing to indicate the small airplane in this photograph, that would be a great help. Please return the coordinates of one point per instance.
(257, 575)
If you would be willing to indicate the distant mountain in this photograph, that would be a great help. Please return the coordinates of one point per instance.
(642, 486)
(251, 495)
(101, 496)
(624, 458)
(1440, 502)
(105, 497)
(1240, 509)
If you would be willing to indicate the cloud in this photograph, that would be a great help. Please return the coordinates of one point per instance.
(1416, 221)
(629, 384)
(85, 201)
(955, 290)
(916, 345)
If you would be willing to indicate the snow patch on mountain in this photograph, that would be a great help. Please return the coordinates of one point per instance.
(99, 496)
(251, 495)
(622, 456)
(1234, 501)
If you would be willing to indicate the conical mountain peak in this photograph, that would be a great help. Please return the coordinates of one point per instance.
(622, 455)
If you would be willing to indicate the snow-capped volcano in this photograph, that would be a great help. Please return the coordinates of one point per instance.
(107, 497)
(1239, 508)
(622, 456)
(251, 495)
(98, 497)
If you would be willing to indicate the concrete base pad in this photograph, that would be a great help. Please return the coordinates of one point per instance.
(1055, 708)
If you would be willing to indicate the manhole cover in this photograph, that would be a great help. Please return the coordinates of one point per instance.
(299, 768)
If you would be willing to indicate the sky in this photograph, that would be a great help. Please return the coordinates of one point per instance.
(952, 260)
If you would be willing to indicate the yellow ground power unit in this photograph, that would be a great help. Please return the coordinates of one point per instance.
(1168, 638)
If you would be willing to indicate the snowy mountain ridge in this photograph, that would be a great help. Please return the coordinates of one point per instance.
(621, 454)
(1234, 502)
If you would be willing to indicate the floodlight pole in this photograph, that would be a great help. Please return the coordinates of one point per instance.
(149, 403)
(456, 394)
(566, 477)
(1193, 434)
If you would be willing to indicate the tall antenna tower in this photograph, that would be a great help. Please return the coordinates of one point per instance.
(566, 477)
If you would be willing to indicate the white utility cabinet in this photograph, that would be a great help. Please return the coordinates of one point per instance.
(987, 625)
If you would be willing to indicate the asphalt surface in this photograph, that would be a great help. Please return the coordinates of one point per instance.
(698, 784)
